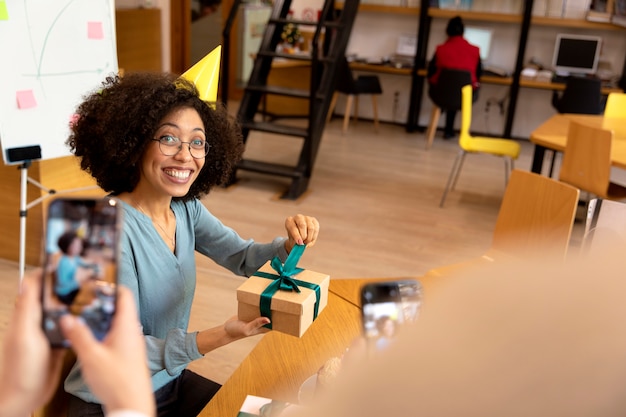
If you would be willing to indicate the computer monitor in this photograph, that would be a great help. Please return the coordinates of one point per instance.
(480, 37)
(576, 54)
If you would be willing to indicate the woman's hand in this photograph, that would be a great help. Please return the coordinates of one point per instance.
(30, 368)
(301, 230)
(234, 329)
(238, 329)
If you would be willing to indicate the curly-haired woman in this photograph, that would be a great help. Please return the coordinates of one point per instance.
(150, 140)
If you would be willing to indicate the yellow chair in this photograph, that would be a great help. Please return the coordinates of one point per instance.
(506, 148)
(587, 161)
(535, 219)
(615, 105)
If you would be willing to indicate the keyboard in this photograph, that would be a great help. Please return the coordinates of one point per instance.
(562, 79)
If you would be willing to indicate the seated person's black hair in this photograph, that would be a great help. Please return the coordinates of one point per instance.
(455, 27)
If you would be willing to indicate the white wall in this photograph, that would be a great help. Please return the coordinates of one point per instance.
(374, 35)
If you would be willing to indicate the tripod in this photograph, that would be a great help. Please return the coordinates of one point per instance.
(25, 206)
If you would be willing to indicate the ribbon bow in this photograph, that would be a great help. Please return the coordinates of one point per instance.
(285, 281)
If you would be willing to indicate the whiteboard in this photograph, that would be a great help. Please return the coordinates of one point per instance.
(53, 53)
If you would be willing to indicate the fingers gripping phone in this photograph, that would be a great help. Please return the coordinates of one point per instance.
(387, 307)
(80, 264)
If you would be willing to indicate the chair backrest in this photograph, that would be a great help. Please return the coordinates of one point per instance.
(446, 94)
(587, 158)
(536, 216)
(582, 95)
(615, 105)
(345, 80)
(466, 117)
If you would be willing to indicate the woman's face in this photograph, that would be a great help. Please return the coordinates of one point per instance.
(173, 175)
(76, 247)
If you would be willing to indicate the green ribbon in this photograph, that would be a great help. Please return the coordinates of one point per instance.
(285, 281)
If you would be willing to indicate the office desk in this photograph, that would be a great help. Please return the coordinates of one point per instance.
(485, 79)
(552, 135)
(390, 69)
(280, 363)
(549, 85)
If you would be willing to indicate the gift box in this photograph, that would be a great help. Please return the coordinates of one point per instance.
(290, 297)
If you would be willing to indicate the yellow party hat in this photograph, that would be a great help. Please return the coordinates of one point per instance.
(205, 74)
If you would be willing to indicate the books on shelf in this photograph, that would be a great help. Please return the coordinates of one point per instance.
(600, 11)
(619, 13)
(488, 6)
(576, 9)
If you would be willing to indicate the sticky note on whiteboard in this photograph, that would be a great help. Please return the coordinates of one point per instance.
(94, 30)
(25, 99)
(4, 13)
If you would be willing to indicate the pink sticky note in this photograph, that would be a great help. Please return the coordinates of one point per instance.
(4, 13)
(94, 30)
(73, 119)
(25, 99)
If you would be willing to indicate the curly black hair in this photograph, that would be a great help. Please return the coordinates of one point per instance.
(116, 123)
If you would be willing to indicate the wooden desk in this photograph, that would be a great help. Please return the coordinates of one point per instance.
(389, 69)
(549, 85)
(280, 363)
(552, 134)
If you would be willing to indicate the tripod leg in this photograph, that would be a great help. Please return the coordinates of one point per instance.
(23, 191)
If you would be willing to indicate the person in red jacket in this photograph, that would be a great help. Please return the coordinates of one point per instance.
(455, 53)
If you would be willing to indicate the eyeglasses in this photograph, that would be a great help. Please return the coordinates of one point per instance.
(171, 145)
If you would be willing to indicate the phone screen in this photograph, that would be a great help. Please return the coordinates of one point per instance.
(80, 266)
(387, 307)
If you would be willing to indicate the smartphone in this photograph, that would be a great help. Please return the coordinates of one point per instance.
(387, 307)
(80, 264)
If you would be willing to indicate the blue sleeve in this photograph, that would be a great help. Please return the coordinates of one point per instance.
(222, 244)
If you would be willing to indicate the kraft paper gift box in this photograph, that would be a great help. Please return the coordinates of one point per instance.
(290, 311)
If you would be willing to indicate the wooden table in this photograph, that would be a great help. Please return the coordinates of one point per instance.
(280, 363)
(552, 135)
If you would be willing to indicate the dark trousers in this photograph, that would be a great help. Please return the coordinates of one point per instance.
(185, 396)
(448, 129)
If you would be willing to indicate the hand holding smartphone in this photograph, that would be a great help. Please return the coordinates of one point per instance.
(80, 265)
(387, 307)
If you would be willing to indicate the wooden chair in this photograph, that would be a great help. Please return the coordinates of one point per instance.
(615, 105)
(536, 218)
(508, 149)
(587, 161)
(353, 87)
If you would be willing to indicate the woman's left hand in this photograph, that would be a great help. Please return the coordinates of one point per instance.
(238, 329)
(301, 230)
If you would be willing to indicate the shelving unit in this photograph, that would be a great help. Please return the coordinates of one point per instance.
(526, 20)
(381, 8)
